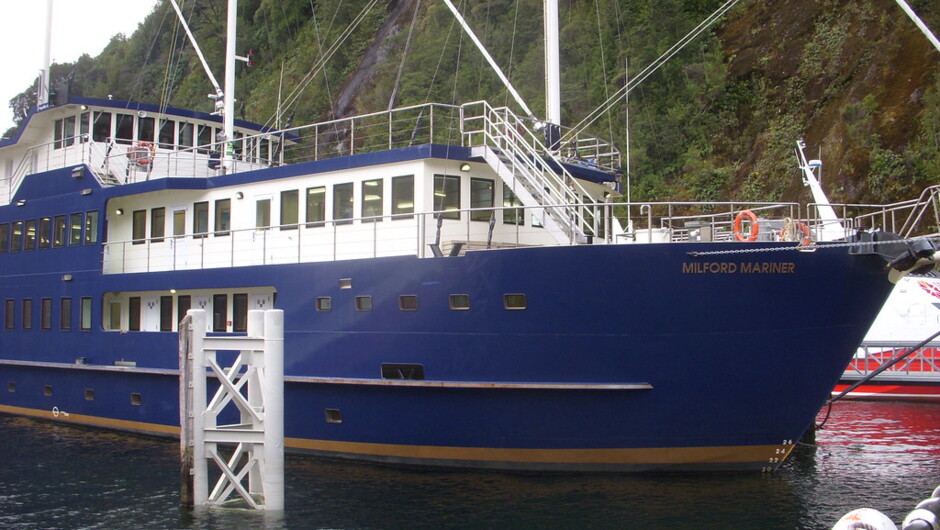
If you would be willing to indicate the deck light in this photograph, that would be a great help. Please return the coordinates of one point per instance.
(465, 167)
(119, 211)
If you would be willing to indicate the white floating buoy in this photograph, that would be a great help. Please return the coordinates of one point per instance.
(866, 518)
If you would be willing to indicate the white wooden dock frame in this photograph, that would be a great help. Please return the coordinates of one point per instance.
(254, 384)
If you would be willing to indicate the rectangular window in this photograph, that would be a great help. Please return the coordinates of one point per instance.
(183, 305)
(514, 301)
(403, 197)
(179, 222)
(27, 313)
(57, 134)
(91, 227)
(166, 313)
(101, 128)
(75, 229)
(65, 314)
(223, 217)
(45, 232)
(363, 303)
(9, 316)
(414, 372)
(447, 196)
(324, 304)
(343, 202)
(58, 231)
(240, 312)
(408, 302)
(157, 224)
(86, 313)
(83, 127)
(460, 302)
(200, 219)
(513, 216)
(145, 129)
(133, 313)
(204, 139)
(263, 213)
(16, 238)
(289, 209)
(316, 206)
(68, 131)
(45, 313)
(139, 228)
(372, 198)
(166, 137)
(219, 312)
(124, 128)
(481, 196)
(4, 238)
(29, 243)
(186, 137)
(115, 320)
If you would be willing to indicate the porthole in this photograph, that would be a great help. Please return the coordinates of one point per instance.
(11, 387)
(514, 302)
(324, 303)
(363, 303)
(408, 302)
(333, 416)
(413, 372)
(89, 394)
(47, 390)
(135, 398)
(345, 283)
(460, 302)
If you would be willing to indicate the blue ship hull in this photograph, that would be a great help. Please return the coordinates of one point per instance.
(626, 357)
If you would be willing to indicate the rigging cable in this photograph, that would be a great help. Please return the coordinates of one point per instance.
(404, 54)
(649, 70)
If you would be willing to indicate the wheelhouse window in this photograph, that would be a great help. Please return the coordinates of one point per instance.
(372, 198)
(167, 134)
(186, 136)
(204, 139)
(223, 217)
(58, 231)
(4, 238)
(45, 232)
(403, 197)
(316, 206)
(145, 129)
(124, 128)
(447, 196)
(200, 219)
(101, 128)
(289, 209)
(481, 196)
(64, 132)
(91, 227)
(75, 229)
(157, 224)
(343, 202)
(139, 227)
(29, 243)
(16, 237)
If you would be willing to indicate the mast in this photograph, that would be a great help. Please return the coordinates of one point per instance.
(552, 64)
(228, 109)
(42, 94)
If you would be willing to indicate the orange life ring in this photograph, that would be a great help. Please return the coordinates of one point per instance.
(755, 227)
(806, 240)
(142, 153)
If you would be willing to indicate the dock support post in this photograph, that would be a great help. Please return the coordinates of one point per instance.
(254, 384)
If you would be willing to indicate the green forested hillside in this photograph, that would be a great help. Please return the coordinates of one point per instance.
(855, 78)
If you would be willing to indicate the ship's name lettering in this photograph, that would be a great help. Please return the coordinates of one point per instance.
(745, 267)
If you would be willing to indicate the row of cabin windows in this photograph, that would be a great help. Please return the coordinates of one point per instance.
(165, 133)
(88, 392)
(409, 302)
(50, 232)
(446, 196)
(183, 303)
(46, 316)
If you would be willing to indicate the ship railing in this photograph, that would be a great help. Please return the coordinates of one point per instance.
(662, 222)
(60, 153)
(872, 355)
(909, 218)
(424, 235)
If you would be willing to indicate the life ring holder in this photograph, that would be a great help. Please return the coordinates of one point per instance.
(755, 226)
(142, 153)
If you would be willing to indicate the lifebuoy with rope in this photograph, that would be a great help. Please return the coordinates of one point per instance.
(755, 227)
(142, 153)
(794, 231)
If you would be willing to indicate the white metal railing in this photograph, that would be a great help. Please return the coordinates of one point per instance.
(910, 218)
(872, 355)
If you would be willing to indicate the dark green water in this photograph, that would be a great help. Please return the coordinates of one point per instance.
(879, 455)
